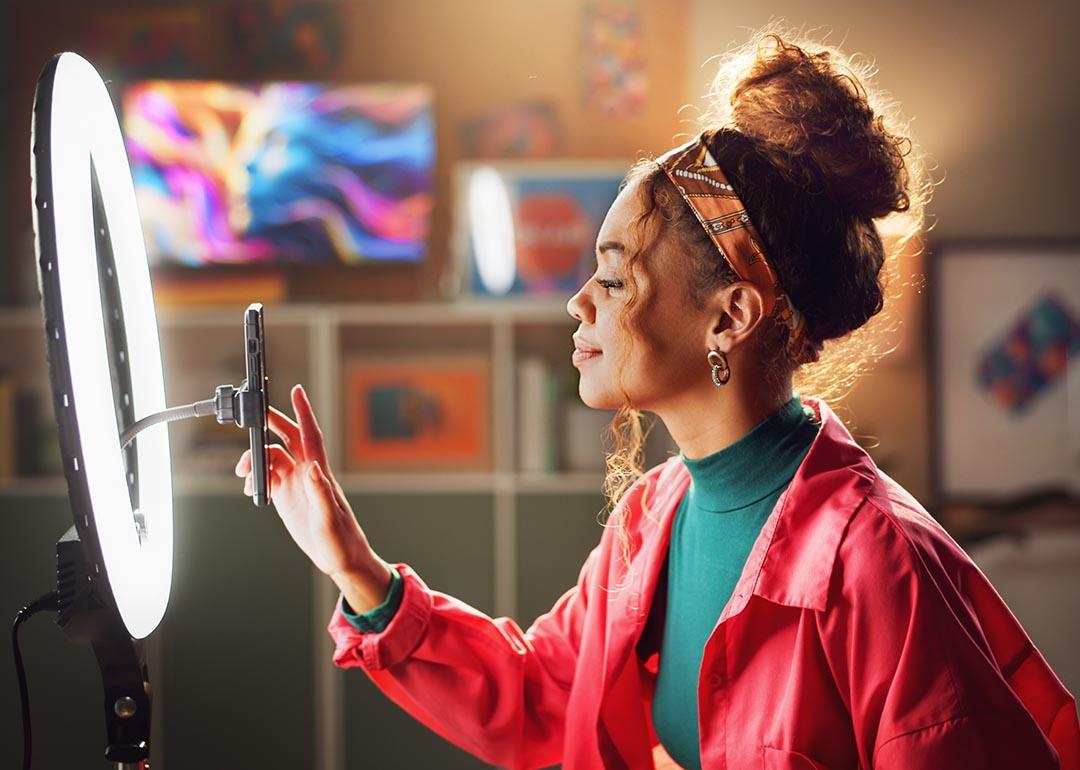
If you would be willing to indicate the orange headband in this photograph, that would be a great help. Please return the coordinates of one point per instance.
(702, 184)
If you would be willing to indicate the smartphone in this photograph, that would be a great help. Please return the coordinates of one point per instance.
(257, 401)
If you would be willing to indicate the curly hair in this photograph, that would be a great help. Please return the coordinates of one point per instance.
(836, 187)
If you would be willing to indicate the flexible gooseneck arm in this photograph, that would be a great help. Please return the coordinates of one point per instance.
(229, 404)
(186, 412)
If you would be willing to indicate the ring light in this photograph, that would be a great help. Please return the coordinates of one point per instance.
(114, 567)
(104, 354)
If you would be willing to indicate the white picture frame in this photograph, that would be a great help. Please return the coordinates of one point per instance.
(1005, 410)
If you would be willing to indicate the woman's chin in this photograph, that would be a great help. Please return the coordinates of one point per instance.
(595, 399)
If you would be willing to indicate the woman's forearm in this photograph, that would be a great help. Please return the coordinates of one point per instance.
(366, 586)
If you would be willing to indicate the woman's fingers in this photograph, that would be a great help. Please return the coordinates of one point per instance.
(277, 456)
(281, 464)
(302, 438)
(303, 443)
(310, 434)
(243, 465)
(288, 430)
(319, 484)
(274, 481)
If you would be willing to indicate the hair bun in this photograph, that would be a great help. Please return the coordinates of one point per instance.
(806, 107)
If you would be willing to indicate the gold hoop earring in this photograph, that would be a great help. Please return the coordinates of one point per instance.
(718, 366)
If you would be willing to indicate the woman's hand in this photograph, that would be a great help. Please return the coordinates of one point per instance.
(313, 508)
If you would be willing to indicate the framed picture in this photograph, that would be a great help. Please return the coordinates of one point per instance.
(414, 412)
(528, 228)
(133, 41)
(520, 130)
(1005, 370)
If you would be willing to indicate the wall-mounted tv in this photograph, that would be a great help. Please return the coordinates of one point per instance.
(282, 172)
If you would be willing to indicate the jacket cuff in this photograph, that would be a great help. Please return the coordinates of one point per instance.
(377, 618)
(381, 649)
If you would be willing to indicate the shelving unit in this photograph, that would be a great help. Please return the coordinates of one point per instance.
(308, 343)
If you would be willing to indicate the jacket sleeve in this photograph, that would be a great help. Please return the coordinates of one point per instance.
(928, 681)
(481, 683)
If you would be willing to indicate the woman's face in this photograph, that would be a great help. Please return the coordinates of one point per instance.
(666, 353)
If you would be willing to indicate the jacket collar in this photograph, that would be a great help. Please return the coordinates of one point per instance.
(792, 559)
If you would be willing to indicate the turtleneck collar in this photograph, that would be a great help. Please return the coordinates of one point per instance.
(756, 465)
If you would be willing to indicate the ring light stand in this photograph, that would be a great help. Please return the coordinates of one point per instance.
(114, 566)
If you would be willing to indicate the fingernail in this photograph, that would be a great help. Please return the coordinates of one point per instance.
(314, 471)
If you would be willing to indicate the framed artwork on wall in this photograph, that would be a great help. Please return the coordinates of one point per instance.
(165, 42)
(417, 412)
(1005, 370)
(527, 229)
(527, 129)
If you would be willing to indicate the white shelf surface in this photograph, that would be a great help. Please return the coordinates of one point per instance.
(388, 482)
(395, 313)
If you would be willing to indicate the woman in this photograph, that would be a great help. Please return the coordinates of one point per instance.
(769, 597)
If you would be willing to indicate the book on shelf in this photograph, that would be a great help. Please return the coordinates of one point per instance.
(538, 393)
(583, 432)
(556, 432)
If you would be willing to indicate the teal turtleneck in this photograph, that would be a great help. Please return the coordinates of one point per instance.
(731, 494)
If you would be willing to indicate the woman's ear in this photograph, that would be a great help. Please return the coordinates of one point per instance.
(736, 311)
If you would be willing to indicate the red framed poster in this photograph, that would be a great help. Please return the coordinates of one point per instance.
(418, 412)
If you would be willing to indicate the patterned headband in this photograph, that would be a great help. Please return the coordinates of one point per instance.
(702, 184)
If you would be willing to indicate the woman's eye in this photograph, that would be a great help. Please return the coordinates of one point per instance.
(609, 284)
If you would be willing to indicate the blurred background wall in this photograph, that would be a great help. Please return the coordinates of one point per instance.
(988, 92)
(241, 662)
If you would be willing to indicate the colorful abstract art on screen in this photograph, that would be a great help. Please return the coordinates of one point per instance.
(1031, 356)
(281, 172)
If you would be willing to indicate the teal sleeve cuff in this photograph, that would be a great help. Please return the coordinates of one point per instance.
(377, 619)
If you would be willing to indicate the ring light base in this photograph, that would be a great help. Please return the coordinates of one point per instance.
(85, 616)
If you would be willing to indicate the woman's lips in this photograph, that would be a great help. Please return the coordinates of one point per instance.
(584, 355)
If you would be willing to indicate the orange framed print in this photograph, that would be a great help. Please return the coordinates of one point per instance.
(418, 412)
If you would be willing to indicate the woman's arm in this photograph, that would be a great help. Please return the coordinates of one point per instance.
(481, 683)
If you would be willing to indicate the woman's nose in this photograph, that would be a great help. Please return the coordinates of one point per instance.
(576, 305)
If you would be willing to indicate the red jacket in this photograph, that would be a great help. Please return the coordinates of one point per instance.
(859, 635)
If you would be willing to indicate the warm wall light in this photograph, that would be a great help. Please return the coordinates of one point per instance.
(134, 532)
